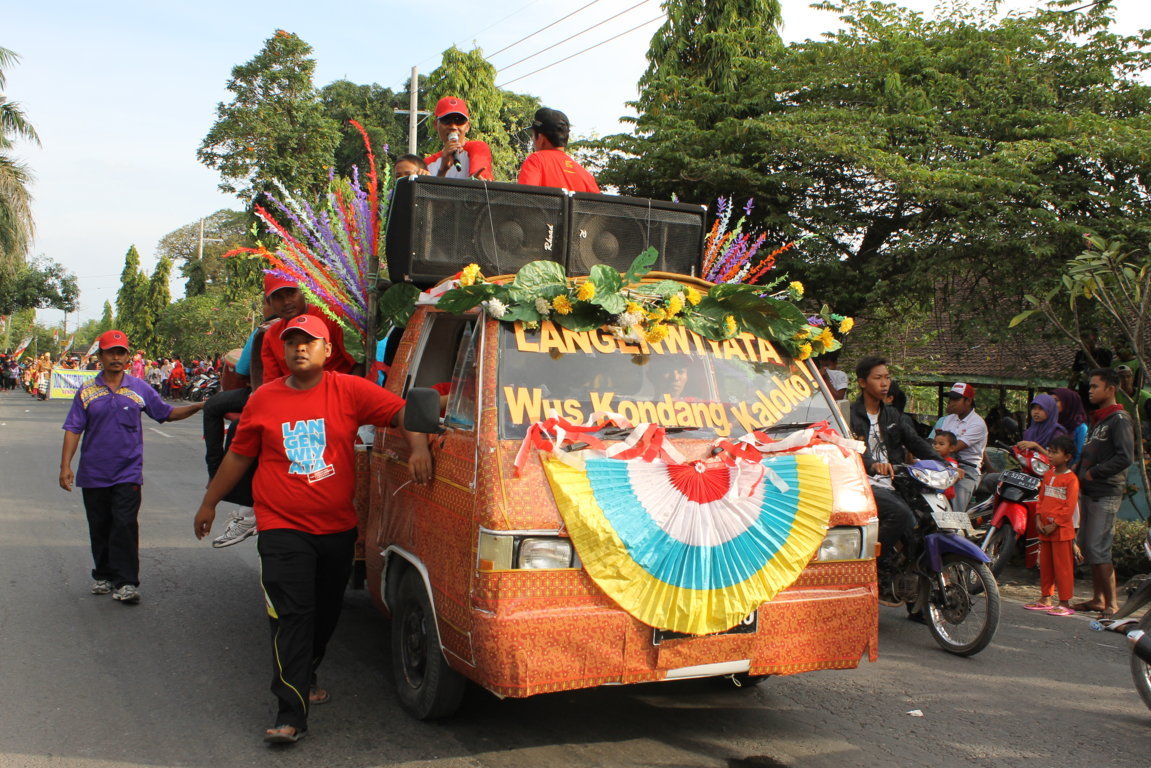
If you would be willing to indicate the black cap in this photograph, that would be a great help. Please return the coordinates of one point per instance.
(550, 120)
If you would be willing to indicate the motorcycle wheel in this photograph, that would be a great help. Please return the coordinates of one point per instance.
(962, 620)
(1141, 670)
(1000, 546)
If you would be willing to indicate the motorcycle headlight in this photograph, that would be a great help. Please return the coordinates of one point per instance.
(841, 543)
(937, 479)
(1039, 466)
(545, 553)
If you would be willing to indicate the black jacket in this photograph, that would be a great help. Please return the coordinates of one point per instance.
(897, 432)
(1108, 452)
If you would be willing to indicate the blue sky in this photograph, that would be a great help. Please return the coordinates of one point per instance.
(123, 92)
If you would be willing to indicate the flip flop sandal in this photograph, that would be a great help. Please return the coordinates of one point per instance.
(1038, 607)
(284, 734)
(317, 695)
(1105, 615)
(1061, 611)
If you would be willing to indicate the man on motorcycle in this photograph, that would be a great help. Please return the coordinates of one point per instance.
(889, 437)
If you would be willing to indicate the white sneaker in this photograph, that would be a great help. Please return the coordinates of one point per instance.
(126, 594)
(101, 587)
(241, 527)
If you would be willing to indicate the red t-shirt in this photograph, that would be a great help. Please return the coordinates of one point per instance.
(305, 442)
(1057, 499)
(475, 160)
(554, 168)
(272, 349)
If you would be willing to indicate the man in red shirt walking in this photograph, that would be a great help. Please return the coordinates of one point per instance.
(302, 428)
(549, 165)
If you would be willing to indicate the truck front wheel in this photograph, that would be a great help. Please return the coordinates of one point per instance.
(427, 687)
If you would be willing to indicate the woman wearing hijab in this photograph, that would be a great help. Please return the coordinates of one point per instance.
(1044, 424)
(1073, 418)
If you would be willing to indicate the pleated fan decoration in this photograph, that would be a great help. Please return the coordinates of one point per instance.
(693, 547)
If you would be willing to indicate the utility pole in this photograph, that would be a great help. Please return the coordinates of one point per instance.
(413, 112)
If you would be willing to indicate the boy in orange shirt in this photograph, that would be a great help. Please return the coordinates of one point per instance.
(1058, 498)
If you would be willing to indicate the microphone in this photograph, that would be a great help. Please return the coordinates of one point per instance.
(455, 136)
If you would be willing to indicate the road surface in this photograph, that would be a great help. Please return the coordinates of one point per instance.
(182, 679)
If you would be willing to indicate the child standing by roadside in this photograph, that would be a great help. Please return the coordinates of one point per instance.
(946, 444)
(1057, 501)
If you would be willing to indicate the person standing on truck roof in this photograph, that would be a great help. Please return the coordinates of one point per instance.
(459, 158)
(301, 427)
(888, 437)
(550, 165)
(106, 411)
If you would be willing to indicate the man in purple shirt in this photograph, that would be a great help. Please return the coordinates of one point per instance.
(107, 413)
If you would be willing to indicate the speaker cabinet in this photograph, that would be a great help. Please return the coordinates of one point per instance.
(612, 230)
(438, 226)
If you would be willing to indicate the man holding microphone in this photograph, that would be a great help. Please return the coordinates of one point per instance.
(459, 158)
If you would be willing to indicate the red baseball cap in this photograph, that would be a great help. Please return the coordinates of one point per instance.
(273, 283)
(309, 324)
(113, 339)
(962, 390)
(450, 105)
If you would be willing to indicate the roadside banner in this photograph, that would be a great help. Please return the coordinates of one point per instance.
(67, 382)
(23, 346)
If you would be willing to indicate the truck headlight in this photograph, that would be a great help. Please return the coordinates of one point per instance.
(841, 543)
(539, 553)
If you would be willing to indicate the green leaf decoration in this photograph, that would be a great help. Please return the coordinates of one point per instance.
(460, 300)
(397, 304)
(641, 266)
(608, 283)
(705, 326)
(585, 316)
(543, 279)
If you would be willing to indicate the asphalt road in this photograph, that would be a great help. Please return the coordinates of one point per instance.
(181, 679)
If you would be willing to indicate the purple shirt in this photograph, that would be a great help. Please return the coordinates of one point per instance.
(113, 448)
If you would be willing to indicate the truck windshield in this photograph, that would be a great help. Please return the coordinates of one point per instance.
(694, 387)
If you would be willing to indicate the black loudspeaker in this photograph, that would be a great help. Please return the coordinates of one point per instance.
(612, 230)
(438, 226)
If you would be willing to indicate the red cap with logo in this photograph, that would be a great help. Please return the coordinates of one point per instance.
(309, 324)
(450, 105)
(962, 390)
(273, 283)
(113, 339)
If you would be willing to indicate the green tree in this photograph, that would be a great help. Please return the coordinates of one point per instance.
(275, 127)
(701, 41)
(107, 320)
(205, 325)
(159, 297)
(373, 107)
(131, 298)
(223, 230)
(16, 223)
(36, 285)
(955, 153)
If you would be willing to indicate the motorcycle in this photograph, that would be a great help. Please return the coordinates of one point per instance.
(202, 387)
(939, 574)
(1014, 503)
(1140, 638)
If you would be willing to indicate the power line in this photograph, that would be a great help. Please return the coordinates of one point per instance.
(578, 53)
(541, 29)
(572, 37)
(485, 29)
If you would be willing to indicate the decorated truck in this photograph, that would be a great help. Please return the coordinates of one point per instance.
(639, 476)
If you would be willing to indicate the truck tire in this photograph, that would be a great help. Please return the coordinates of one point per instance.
(426, 686)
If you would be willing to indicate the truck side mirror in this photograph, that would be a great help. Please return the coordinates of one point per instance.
(422, 413)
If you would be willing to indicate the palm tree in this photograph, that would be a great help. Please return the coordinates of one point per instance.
(16, 225)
